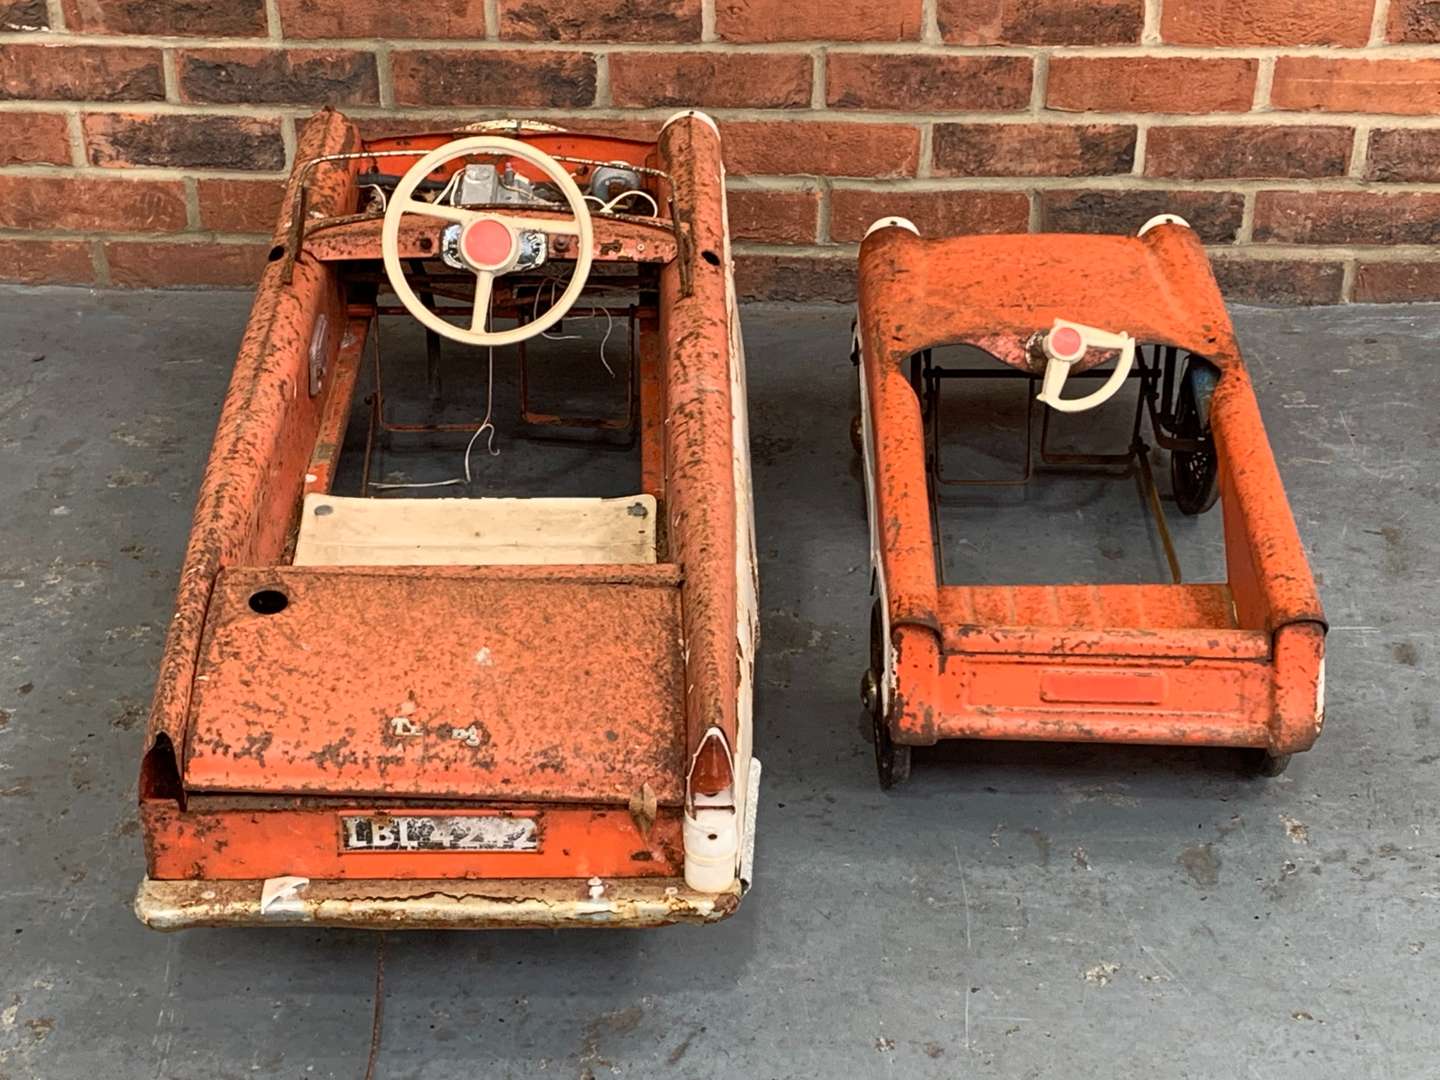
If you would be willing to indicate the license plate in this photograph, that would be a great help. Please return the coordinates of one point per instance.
(413, 832)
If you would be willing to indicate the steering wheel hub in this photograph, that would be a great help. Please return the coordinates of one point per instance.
(488, 245)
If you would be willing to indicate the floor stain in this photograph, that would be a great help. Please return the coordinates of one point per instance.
(1201, 864)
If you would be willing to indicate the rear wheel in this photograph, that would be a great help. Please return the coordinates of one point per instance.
(1194, 474)
(892, 761)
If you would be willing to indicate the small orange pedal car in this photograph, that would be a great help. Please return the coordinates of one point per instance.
(381, 705)
(1237, 663)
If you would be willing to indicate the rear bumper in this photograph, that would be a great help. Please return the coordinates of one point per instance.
(430, 905)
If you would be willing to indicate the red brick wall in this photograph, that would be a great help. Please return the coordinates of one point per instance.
(143, 141)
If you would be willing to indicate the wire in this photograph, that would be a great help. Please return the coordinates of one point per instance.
(609, 324)
(485, 425)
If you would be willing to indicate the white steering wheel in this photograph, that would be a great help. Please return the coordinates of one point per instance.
(489, 242)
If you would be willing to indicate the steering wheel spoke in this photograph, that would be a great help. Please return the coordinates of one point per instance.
(480, 314)
(456, 214)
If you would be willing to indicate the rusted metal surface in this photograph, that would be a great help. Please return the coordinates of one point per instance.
(264, 438)
(702, 505)
(210, 842)
(441, 904)
(472, 685)
(563, 704)
(1237, 663)
(616, 240)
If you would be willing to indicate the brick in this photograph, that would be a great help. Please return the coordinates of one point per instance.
(240, 206)
(347, 19)
(773, 217)
(1415, 22)
(86, 203)
(1034, 149)
(1403, 155)
(1396, 282)
(795, 277)
(527, 79)
(1150, 84)
(1266, 22)
(759, 80)
(927, 83)
(820, 148)
(600, 20)
(33, 139)
(80, 73)
(1279, 281)
(199, 18)
(1041, 22)
(1347, 217)
(24, 15)
(46, 262)
(935, 213)
(1404, 87)
(1214, 215)
(276, 77)
(147, 265)
(1223, 153)
(809, 20)
(120, 140)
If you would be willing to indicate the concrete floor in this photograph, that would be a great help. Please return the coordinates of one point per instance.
(1013, 911)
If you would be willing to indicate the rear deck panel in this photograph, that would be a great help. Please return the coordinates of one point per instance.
(466, 684)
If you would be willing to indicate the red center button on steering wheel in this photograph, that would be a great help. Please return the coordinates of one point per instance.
(1066, 342)
(487, 244)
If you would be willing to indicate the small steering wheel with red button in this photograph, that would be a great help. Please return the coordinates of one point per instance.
(489, 243)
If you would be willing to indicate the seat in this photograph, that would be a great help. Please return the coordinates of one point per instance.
(337, 531)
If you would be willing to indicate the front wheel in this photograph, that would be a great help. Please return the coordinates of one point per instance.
(892, 761)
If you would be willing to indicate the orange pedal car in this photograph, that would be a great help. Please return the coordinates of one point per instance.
(1235, 663)
(381, 705)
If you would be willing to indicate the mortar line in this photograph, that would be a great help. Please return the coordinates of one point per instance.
(192, 204)
(1360, 152)
(1379, 23)
(602, 99)
(819, 79)
(1264, 84)
(1406, 51)
(1150, 30)
(100, 263)
(170, 72)
(492, 20)
(707, 21)
(1246, 232)
(729, 114)
(1348, 271)
(930, 22)
(75, 134)
(274, 31)
(384, 77)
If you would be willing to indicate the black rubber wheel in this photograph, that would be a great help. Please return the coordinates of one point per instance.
(1194, 474)
(1264, 763)
(892, 761)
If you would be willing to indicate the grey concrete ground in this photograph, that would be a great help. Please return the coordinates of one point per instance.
(1013, 911)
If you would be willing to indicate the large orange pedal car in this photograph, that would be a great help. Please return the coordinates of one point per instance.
(390, 701)
(1234, 663)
